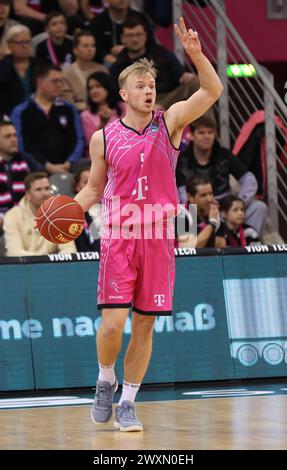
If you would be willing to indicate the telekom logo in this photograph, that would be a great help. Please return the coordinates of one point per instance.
(159, 299)
(142, 186)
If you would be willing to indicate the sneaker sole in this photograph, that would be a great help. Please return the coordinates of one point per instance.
(135, 427)
(107, 420)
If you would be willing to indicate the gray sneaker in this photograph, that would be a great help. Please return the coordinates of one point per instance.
(103, 402)
(125, 419)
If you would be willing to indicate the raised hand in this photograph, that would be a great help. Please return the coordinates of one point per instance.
(188, 38)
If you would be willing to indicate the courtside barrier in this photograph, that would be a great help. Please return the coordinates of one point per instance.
(229, 321)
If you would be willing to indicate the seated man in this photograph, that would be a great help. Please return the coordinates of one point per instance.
(14, 167)
(204, 156)
(21, 238)
(173, 83)
(209, 229)
(49, 128)
(107, 28)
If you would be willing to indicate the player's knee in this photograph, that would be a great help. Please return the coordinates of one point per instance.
(143, 327)
(112, 330)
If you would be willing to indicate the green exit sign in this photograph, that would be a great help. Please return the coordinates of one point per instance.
(241, 70)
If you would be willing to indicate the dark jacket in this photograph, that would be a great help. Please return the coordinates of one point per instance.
(11, 88)
(108, 33)
(222, 163)
(13, 173)
(55, 138)
(85, 242)
(63, 52)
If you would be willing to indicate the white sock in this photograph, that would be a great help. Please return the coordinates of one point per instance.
(129, 392)
(107, 373)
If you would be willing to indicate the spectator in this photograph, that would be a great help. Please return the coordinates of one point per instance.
(204, 156)
(14, 166)
(75, 76)
(236, 233)
(89, 240)
(173, 83)
(91, 8)
(57, 49)
(209, 227)
(103, 104)
(21, 238)
(33, 13)
(16, 69)
(107, 28)
(71, 9)
(49, 128)
(5, 24)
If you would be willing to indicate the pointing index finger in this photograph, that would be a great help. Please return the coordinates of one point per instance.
(182, 25)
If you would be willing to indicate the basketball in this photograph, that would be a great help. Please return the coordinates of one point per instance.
(60, 219)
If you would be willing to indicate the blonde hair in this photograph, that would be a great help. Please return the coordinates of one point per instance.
(14, 30)
(139, 67)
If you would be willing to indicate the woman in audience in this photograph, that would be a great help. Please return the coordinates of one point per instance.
(236, 233)
(16, 69)
(75, 75)
(103, 104)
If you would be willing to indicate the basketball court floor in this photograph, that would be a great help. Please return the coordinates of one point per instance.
(180, 417)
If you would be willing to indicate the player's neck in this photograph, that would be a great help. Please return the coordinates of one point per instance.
(136, 121)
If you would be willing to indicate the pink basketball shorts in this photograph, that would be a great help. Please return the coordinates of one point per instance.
(138, 272)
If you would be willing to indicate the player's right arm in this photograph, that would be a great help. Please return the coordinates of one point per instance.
(93, 191)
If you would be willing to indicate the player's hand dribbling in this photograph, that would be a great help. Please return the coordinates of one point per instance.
(188, 38)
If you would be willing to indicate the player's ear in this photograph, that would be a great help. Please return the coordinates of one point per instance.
(123, 95)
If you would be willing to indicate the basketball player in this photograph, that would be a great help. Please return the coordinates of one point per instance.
(134, 158)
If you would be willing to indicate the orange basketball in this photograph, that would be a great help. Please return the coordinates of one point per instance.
(60, 219)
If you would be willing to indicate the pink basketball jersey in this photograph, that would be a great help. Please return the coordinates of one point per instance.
(141, 172)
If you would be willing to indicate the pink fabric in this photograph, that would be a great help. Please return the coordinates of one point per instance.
(141, 170)
(141, 272)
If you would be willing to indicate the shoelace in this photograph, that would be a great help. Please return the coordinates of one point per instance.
(101, 394)
(129, 413)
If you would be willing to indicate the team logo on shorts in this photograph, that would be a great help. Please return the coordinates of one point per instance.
(115, 286)
(159, 299)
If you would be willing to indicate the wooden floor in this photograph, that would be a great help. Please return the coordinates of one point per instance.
(258, 422)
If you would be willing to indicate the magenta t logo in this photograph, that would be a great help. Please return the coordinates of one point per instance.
(141, 188)
(159, 299)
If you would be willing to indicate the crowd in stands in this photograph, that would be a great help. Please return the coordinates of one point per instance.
(59, 65)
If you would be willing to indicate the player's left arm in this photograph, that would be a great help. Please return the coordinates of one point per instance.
(180, 114)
